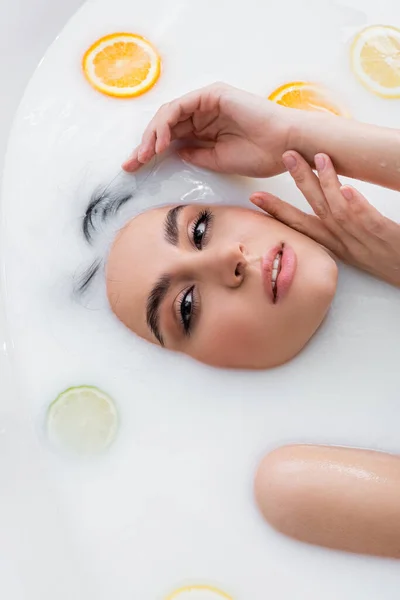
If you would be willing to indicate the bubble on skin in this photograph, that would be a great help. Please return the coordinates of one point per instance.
(383, 164)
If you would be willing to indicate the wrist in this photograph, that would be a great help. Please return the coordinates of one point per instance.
(304, 131)
(282, 129)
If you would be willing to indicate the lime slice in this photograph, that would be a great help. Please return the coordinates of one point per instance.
(83, 420)
(198, 592)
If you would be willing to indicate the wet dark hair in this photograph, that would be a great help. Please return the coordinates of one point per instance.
(86, 277)
(104, 204)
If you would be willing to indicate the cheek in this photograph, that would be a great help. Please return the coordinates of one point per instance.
(315, 285)
(235, 333)
(246, 226)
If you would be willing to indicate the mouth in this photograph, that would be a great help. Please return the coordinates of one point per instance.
(278, 268)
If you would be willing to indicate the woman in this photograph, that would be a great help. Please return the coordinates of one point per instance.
(206, 266)
(346, 499)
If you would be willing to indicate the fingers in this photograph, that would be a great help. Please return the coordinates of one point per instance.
(161, 130)
(296, 219)
(205, 158)
(349, 209)
(183, 130)
(330, 185)
(346, 223)
(142, 154)
(169, 115)
(158, 134)
(146, 150)
(327, 198)
(132, 164)
(370, 222)
(307, 182)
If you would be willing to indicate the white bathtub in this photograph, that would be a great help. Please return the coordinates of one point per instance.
(38, 553)
(34, 561)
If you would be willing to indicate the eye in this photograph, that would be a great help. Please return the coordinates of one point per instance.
(200, 228)
(187, 309)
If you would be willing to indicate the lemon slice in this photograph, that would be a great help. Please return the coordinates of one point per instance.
(306, 96)
(122, 65)
(83, 420)
(198, 592)
(375, 59)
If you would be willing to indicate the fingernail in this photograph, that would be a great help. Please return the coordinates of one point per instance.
(289, 161)
(347, 192)
(319, 160)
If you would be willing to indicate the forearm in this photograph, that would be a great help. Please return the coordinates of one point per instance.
(358, 150)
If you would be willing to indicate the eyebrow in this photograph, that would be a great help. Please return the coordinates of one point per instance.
(154, 301)
(171, 231)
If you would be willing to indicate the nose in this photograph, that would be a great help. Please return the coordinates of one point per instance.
(227, 266)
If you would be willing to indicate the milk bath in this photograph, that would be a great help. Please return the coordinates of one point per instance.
(170, 504)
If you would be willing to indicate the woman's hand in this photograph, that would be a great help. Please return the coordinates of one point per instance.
(245, 134)
(345, 222)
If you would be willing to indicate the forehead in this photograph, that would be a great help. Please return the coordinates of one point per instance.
(134, 264)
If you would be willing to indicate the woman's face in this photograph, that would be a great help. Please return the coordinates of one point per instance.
(229, 286)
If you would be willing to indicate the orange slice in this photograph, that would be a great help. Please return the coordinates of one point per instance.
(306, 96)
(122, 65)
(375, 59)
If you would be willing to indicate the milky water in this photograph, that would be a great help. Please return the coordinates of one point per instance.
(171, 502)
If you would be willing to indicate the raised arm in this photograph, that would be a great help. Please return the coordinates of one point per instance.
(357, 150)
(248, 135)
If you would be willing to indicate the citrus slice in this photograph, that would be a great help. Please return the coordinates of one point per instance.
(83, 420)
(198, 592)
(306, 96)
(122, 65)
(375, 59)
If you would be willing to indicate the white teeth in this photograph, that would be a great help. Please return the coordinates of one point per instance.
(275, 269)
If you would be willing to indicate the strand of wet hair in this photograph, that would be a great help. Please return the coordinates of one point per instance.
(84, 279)
(103, 205)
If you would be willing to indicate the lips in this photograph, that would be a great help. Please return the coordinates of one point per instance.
(278, 268)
